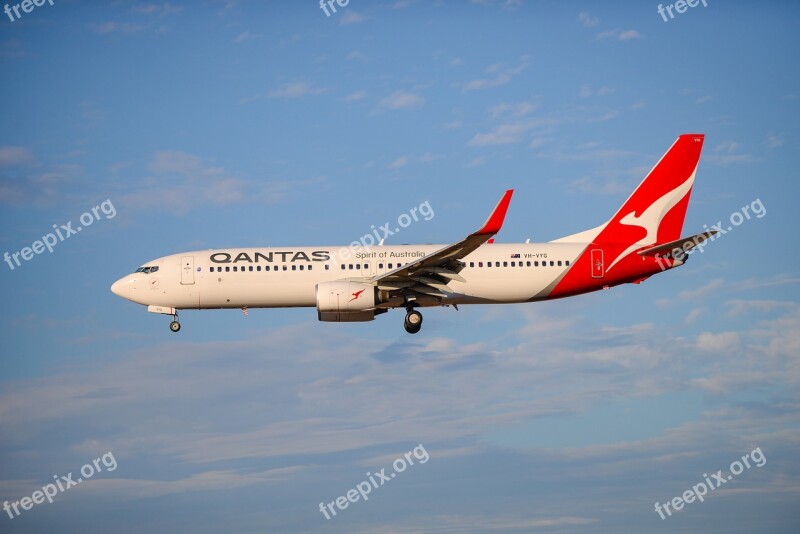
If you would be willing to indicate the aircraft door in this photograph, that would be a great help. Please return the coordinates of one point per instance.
(598, 267)
(187, 270)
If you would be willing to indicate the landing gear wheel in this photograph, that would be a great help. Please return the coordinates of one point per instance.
(413, 321)
(174, 326)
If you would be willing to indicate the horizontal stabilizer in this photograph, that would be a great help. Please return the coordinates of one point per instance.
(684, 244)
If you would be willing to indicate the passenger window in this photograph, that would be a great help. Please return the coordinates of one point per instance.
(350, 266)
(497, 264)
(505, 264)
(551, 263)
(327, 267)
(235, 269)
(559, 263)
(301, 267)
(380, 266)
(513, 264)
(343, 266)
(536, 264)
(250, 269)
(227, 269)
(567, 262)
(284, 268)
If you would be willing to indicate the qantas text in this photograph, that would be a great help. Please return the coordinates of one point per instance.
(282, 255)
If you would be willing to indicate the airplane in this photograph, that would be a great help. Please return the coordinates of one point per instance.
(346, 285)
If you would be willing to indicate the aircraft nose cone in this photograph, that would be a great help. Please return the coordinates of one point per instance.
(121, 288)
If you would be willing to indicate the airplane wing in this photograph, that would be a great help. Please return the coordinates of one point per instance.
(431, 274)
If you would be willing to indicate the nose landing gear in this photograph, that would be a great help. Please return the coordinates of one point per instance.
(413, 321)
(175, 325)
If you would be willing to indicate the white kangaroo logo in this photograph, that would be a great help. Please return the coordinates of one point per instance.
(651, 218)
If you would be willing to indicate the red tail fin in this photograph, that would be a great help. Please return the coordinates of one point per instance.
(655, 211)
(652, 215)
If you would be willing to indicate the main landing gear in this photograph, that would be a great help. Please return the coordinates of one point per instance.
(175, 325)
(413, 321)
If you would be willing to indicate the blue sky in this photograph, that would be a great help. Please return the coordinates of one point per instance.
(222, 124)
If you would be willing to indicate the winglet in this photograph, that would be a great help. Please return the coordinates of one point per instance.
(495, 220)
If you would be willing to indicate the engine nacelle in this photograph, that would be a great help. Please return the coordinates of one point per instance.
(345, 301)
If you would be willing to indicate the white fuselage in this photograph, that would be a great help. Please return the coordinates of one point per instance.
(287, 277)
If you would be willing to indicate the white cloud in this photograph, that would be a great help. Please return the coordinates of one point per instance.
(476, 162)
(739, 307)
(504, 134)
(505, 4)
(356, 55)
(517, 110)
(586, 20)
(504, 75)
(510, 133)
(399, 163)
(295, 90)
(358, 95)
(117, 27)
(160, 10)
(402, 100)
(703, 291)
(619, 35)
(727, 153)
(724, 341)
(627, 35)
(352, 17)
(774, 140)
(246, 36)
(14, 155)
(727, 146)
(183, 182)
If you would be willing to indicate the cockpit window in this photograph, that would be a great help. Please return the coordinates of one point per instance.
(146, 270)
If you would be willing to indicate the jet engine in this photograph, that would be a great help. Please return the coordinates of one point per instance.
(345, 301)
